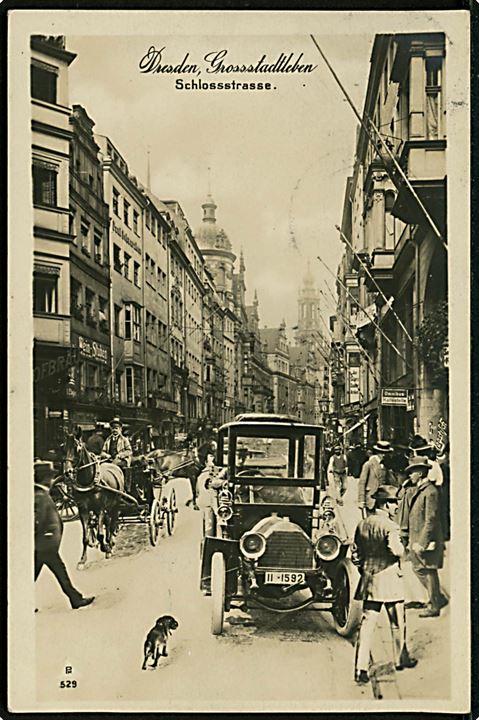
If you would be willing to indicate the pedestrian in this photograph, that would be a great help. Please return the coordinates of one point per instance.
(48, 535)
(357, 456)
(117, 447)
(373, 474)
(337, 472)
(96, 441)
(422, 529)
(419, 446)
(377, 551)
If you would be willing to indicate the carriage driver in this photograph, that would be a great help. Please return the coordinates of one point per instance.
(117, 447)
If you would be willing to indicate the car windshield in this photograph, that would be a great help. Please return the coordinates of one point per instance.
(271, 458)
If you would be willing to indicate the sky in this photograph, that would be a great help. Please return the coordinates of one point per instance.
(279, 159)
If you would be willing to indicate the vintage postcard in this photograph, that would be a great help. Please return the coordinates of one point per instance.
(238, 361)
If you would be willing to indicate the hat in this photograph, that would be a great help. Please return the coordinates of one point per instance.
(386, 492)
(418, 463)
(419, 443)
(44, 472)
(116, 421)
(383, 446)
(337, 447)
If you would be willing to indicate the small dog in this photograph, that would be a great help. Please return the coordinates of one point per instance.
(157, 640)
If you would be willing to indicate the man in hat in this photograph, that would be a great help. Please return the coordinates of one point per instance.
(419, 446)
(377, 550)
(117, 447)
(422, 530)
(372, 476)
(337, 472)
(48, 535)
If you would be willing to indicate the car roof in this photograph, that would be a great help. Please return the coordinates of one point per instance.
(264, 417)
(259, 419)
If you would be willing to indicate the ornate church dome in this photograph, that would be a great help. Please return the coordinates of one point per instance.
(209, 235)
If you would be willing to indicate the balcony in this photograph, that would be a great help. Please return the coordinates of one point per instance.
(424, 161)
(132, 351)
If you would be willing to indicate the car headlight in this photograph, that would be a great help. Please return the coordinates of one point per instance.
(328, 547)
(252, 545)
(225, 512)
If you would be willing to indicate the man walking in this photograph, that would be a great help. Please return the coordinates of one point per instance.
(48, 535)
(337, 472)
(377, 550)
(372, 476)
(423, 531)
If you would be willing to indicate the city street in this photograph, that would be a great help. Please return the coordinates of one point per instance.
(242, 669)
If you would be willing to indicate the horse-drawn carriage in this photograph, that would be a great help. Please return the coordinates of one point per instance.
(149, 498)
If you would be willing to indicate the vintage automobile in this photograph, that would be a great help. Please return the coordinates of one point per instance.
(270, 540)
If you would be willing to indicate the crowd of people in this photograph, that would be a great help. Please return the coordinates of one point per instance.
(403, 496)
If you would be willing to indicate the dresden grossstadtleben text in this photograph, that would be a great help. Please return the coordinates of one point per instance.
(217, 63)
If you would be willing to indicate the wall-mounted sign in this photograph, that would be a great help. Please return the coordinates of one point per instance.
(125, 237)
(394, 396)
(354, 388)
(92, 350)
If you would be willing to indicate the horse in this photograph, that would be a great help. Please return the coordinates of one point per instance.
(179, 464)
(97, 505)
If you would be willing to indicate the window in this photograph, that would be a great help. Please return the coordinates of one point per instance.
(85, 237)
(129, 384)
(126, 265)
(135, 221)
(103, 314)
(90, 307)
(117, 258)
(45, 184)
(153, 225)
(43, 80)
(45, 293)
(116, 202)
(136, 274)
(126, 212)
(117, 320)
(128, 326)
(433, 97)
(136, 324)
(147, 218)
(98, 240)
(76, 304)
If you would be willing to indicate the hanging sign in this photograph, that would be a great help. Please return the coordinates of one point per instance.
(394, 396)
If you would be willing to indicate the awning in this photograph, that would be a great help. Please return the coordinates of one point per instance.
(361, 422)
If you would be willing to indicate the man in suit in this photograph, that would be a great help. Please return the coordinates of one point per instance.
(373, 474)
(422, 530)
(377, 550)
(337, 472)
(48, 535)
(419, 446)
(117, 447)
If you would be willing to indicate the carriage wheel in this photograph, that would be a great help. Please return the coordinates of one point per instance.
(64, 502)
(155, 522)
(171, 513)
(218, 589)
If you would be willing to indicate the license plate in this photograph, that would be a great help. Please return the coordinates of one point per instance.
(283, 578)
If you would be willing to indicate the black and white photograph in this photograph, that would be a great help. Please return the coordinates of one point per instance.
(238, 361)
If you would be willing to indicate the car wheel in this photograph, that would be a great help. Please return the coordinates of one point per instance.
(218, 586)
(346, 610)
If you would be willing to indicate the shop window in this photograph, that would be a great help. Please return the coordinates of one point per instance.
(116, 201)
(45, 184)
(45, 293)
(43, 82)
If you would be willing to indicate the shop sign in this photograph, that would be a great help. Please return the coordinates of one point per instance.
(394, 396)
(410, 405)
(55, 414)
(92, 350)
(441, 435)
(354, 390)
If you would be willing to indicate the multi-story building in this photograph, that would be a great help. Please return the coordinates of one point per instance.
(240, 335)
(126, 201)
(404, 293)
(52, 238)
(161, 408)
(257, 379)
(276, 348)
(89, 390)
(303, 369)
(187, 258)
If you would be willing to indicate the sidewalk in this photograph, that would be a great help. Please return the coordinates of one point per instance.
(428, 638)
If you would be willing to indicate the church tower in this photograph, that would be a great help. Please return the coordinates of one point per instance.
(309, 308)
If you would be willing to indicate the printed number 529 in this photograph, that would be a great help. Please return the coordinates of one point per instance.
(68, 683)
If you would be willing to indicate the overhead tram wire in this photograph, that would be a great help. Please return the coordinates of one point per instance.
(378, 327)
(365, 267)
(382, 144)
